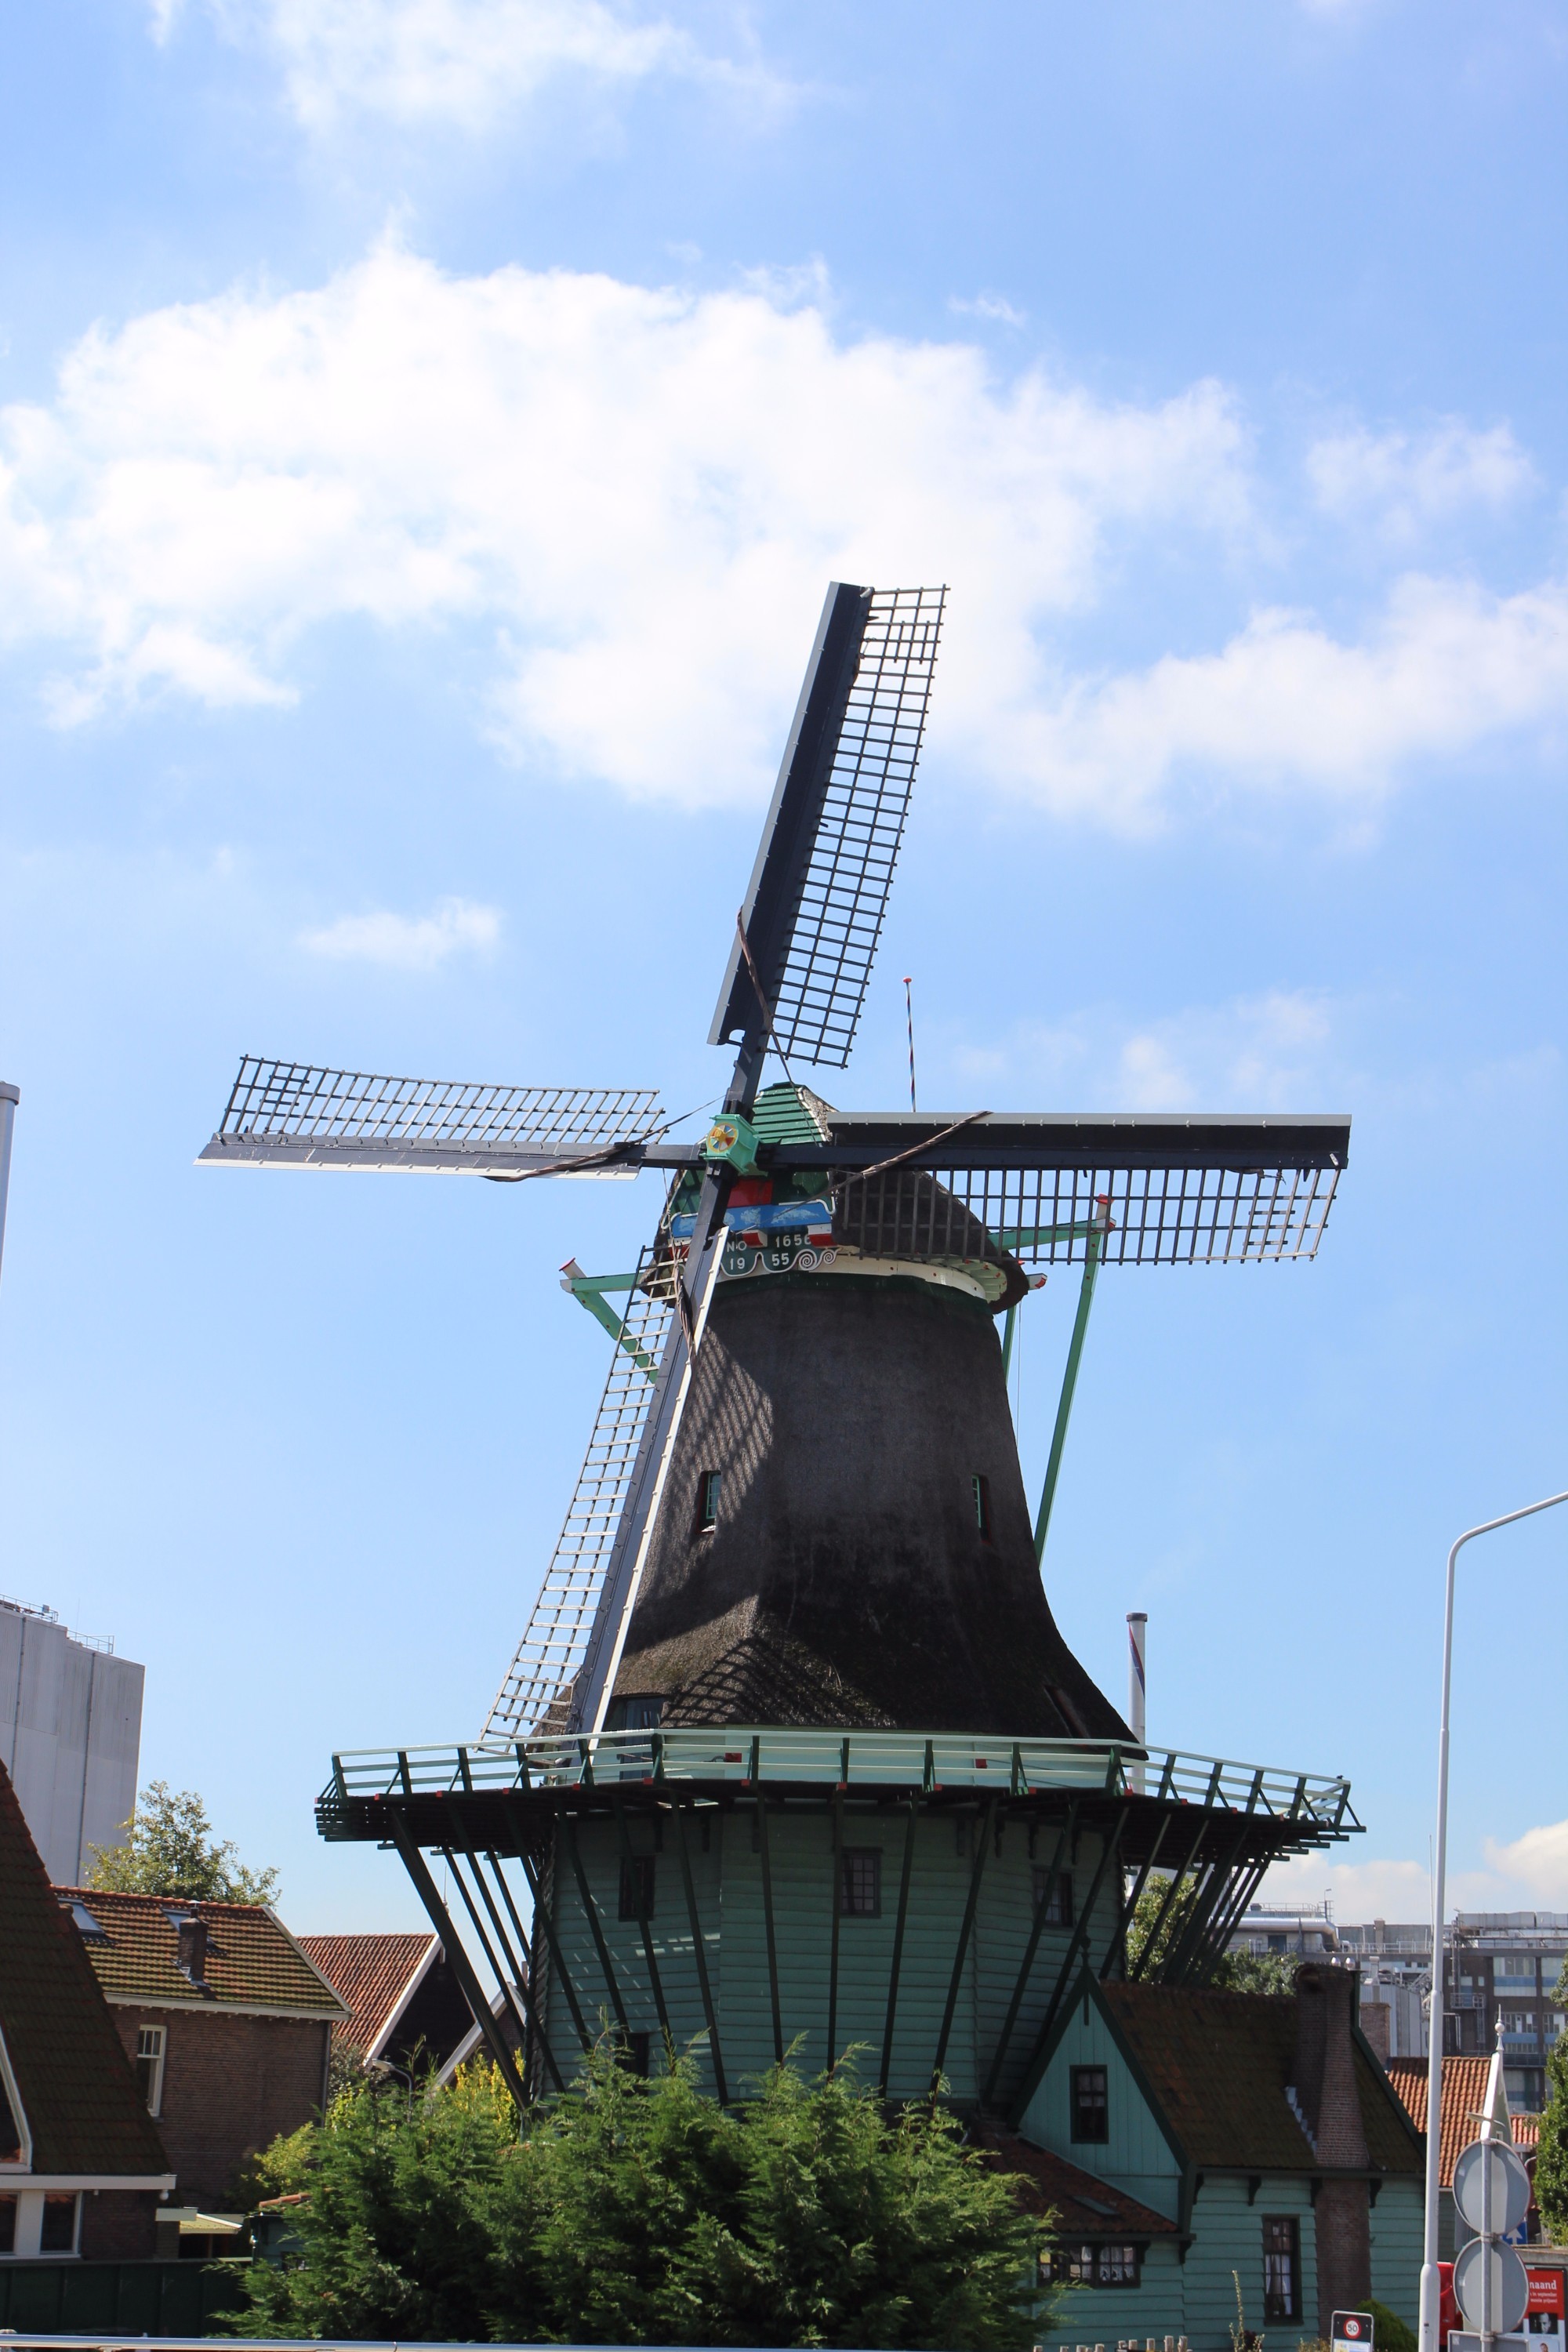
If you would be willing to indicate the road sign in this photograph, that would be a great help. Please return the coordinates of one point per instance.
(1353, 2331)
(1510, 2295)
(1491, 2188)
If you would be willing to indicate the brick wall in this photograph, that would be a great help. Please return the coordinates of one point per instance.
(231, 2084)
(118, 2225)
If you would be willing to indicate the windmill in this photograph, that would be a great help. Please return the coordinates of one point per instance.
(796, 1593)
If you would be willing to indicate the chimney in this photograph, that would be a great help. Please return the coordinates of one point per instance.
(1374, 2021)
(1326, 2098)
(191, 1941)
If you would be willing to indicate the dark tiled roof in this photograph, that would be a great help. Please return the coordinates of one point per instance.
(371, 1974)
(252, 1961)
(1464, 2096)
(1219, 2063)
(76, 2087)
(1087, 2207)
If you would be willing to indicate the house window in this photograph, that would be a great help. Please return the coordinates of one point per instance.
(7, 2225)
(708, 1488)
(1281, 2267)
(1090, 2105)
(1089, 2266)
(150, 2066)
(861, 1886)
(637, 1887)
(982, 1504)
(61, 2210)
(1056, 1893)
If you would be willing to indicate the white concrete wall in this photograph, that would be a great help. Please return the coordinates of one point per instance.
(71, 1739)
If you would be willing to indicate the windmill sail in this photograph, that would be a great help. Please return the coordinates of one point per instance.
(536, 1692)
(1180, 1190)
(297, 1115)
(819, 890)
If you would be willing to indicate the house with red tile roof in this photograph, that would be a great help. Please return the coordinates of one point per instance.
(1184, 2136)
(226, 2023)
(405, 2008)
(1463, 2105)
(82, 2168)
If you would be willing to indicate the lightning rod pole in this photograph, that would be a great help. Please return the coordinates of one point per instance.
(1430, 2340)
(10, 1097)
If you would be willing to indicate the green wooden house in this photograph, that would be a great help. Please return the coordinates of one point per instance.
(1186, 2136)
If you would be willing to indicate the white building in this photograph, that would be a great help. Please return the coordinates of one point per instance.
(70, 1736)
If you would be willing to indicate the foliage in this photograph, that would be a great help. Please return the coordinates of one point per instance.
(1256, 1972)
(1242, 2338)
(1390, 2332)
(1551, 2156)
(1231, 1973)
(1150, 1939)
(641, 2211)
(169, 1849)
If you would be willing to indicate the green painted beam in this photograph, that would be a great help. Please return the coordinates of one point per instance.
(1070, 1384)
(588, 1290)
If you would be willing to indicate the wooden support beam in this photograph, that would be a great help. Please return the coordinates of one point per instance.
(1068, 1826)
(768, 1928)
(505, 1970)
(981, 1855)
(836, 1899)
(1151, 1942)
(565, 1830)
(700, 1955)
(636, 1881)
(546, 1927)
(440, 1918)
(1119, 1941)
(904, 1877)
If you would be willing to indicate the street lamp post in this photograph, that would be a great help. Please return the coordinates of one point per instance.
(1430, 2339)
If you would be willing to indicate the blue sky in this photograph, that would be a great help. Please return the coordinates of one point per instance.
(427, 428)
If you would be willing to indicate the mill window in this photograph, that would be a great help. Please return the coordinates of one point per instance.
(982, 1487)
(637, 1887)
(861, 1886)
(62, 2208)
(1090, 2103)
(150, 2067)
(1281, 2267)
(1054, 1889)
(708, 1488)
(642, 1714)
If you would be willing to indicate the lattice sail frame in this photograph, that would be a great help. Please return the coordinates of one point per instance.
(299, 1112)
(1044, 1216)
(837, 922)
(535, 1692)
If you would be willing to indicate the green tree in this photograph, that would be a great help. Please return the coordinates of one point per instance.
(169, 1849)
(1231, 1973)
(1551, 2156)
(642, 2212)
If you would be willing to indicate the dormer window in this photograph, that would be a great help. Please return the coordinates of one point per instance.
(87, 1927)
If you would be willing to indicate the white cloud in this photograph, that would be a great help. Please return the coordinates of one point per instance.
(1286, 705)
(1537, 1860)
(641, 493)
(1254, 1052)
(407, 942)
(467, 63)
(635, 497)
(1360, 1891)
(988, 306)
(1531, 1873)
(1401, 481)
